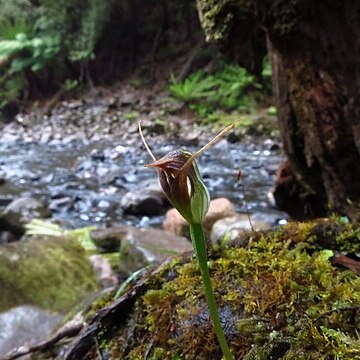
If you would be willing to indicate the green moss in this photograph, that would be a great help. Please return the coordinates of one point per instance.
(105, 299)
(326, 233)
(276, 298)
(348, 239)
(217, 17)
(285, 15)
(52, 273)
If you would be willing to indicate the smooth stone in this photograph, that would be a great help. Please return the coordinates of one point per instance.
(25, 325)
(148, 199)
(62, 202)
(149, 245)
(127, 98)
(109, 239)
(20, 212)
(218, 209)
(103, 204)
(239, 225)
(233, 137)
(139, 247)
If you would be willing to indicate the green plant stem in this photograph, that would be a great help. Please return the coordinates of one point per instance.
(198, 240)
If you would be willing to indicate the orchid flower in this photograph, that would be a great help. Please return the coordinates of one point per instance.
(181, 180)
(182, 184)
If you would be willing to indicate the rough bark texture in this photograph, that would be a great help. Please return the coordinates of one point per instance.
(315, 51)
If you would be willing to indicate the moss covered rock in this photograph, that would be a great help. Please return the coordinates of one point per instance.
(278, 293)
(53, 273)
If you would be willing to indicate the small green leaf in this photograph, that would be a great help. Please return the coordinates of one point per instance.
(327, 254)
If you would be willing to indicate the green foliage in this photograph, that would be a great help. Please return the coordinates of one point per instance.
(196, 86)
(69, 84)
(33, 53)
(9, 31)
(39, 227)
(78, 23)
(232, 84)
(31, 35)
(16, 16)
(10, 89)
(131, 278)
(20, 49)
(227, 89)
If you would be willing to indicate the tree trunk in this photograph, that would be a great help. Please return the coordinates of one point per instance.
(316, 77)
(315, 53)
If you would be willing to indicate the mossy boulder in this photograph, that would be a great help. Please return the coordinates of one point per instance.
(53, 273)
(278, 293)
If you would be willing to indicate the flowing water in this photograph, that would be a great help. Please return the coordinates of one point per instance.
(83, 182)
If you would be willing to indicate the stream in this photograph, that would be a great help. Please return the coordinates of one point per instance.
(83, 182)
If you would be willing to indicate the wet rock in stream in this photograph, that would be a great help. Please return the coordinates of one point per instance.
(147, 199)
(19, 213)
(25, 325)
(105, 183)
(240, 225)
(139, 247)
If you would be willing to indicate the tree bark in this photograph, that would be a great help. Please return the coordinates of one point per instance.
(314, 49)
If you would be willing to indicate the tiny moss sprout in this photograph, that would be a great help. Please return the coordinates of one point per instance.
(181, 182)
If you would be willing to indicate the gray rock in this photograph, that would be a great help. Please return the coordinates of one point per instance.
(139, 247)
(61, 202)
(233, 137)
(109, 239)
(5, 200)
(157, 244)
(237, 226)
(148, 199)
(6, 237)
(25, 325)
(20, 212)
(127, 98)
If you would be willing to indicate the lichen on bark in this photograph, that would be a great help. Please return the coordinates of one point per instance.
(233, 27)
(216, 18)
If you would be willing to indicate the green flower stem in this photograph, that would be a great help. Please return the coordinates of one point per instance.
(198, 240)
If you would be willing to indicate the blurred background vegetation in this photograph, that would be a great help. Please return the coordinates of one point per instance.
(49, 48)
